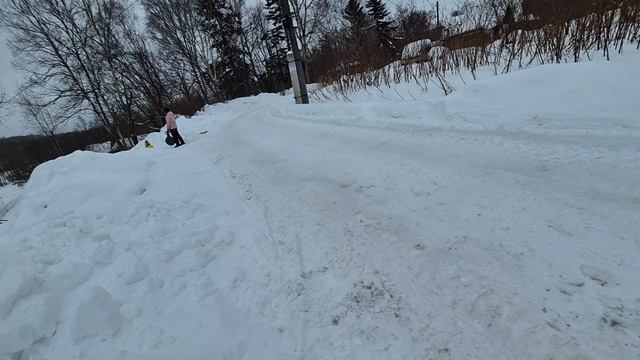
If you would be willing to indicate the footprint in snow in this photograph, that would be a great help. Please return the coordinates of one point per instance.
(601, 276)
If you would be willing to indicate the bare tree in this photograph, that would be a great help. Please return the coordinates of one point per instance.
(3, 100)
(86, 57)
(64, 45)
(413, 23)
(256, 27)
(313, 20)
(470, 15)
(43, 120)
(185, 48)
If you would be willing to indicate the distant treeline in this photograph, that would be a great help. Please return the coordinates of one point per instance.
(19, 155)
(22, 154)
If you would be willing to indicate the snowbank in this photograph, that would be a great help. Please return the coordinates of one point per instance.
(8, 196)
(574, 98)
(565, 98)
(131, 256)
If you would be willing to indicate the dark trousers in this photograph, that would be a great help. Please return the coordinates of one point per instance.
(176, 136)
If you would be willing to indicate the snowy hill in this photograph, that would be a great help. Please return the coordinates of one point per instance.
(500, 222)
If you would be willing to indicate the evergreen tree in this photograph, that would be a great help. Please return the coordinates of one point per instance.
(223, 23)
(274, 15)
(384, 28)
(355, 15)
(358, 37)
(277, 71)
(413, 24)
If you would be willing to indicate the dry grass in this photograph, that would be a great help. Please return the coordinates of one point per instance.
(560, 38)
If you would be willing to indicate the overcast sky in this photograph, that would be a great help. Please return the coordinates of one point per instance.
(10, 119)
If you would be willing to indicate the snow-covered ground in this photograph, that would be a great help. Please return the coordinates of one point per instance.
(502, 222)
(8, 196)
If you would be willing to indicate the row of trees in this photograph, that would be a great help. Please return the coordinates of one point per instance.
(97, 63)
(87, 61)
(114, 64)
(507, 35)
(368, 36)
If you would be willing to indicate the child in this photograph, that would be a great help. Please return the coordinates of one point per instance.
(170, 119)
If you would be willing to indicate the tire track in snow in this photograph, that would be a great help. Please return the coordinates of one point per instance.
(242, 181)
(349, 259)
(313, 171)
(306, 304)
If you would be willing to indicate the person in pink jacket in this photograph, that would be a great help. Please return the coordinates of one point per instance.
(172, 127)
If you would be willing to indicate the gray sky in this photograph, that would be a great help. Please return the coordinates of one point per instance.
(10, 119)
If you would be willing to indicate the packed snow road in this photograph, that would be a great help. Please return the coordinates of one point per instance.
(444, 243)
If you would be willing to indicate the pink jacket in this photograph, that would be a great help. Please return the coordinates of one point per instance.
(171, 121)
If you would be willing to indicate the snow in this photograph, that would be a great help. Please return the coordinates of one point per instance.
(500, 222)
(102, 147)
(8, 196)
(32, 320)
(522, 93)
(98, 315)
(413, 49)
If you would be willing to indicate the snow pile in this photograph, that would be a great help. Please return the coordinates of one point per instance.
(567, 97)
(101, 147)
(143, 254)
(415, 49)
(498, 223)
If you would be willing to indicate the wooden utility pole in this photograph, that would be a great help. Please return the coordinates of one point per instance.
(296, 69)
